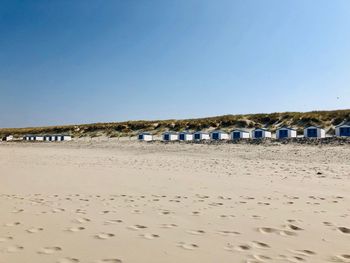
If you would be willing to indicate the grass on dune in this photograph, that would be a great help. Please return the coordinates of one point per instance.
(298, 120)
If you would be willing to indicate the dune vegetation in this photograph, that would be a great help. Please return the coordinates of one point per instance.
(272, 121)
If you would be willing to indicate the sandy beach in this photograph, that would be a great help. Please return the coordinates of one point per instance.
(124, 201)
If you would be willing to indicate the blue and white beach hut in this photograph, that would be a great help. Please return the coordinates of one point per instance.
(170, 136)
(314, 132)
(185, 136)
(343, 129)
(198, 136)
(286, 132)
(261, 133)
(145, 136)
(239, 134)
(219, 135)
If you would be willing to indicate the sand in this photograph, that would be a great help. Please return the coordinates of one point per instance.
(124, 201)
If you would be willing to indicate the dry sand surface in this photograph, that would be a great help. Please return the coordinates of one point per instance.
(110, 201)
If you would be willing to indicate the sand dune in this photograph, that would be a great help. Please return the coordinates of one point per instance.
(110, 201)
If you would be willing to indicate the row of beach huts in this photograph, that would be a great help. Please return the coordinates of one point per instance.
(48, 138)
(42, 138)
(342, 130)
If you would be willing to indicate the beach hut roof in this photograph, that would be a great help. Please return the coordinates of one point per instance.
(218, 131)
(238, 130)
(287, 128)
(169, 132)
(185, 132)
(263, 129)
(344, 123)
(201, 132)
(313, 126)
(145, 133)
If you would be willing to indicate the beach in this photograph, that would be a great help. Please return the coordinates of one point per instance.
(108, 200)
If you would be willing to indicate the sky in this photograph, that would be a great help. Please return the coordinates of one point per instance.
(87, 61)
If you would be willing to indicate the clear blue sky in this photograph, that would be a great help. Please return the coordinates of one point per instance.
(67, 62)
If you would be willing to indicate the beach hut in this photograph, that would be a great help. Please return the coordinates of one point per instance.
(38, 138)
(7, 138)
(185, 136)
(49, 138)
(219, 135)
(57, 137)
(66, 137)
(261, 133)
(201, 136)
(314, 132)
(145, 136)
(170, 136)
(239, 134)
(286, 132)
(343, 129)
(29, 137)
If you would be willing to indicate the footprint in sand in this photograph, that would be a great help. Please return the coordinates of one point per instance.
(267, 230)
(257, 258)
(165, 212)
(58, 210)
(294, 227)
(80, 211)
(229, 247)
(242, 248)
(104, 236)
(81, 220)
(17, 211)
(150, 236)
(187, 246)
(68, 260)
(344, 230)
(109, 260)
(106, 212)
(294, 221)
(287, 233)
(168, 225)
(327, 223)
(5, 239)
(34, 230)
(14, 249)
(196, 232)
(12, 224)
(49, 250)
(304, 252)
(295, 259)
(227, 216)
(75, 229)
(260, 245)
(137, 227)
(345, 258)
(112, 222)
(228, 233)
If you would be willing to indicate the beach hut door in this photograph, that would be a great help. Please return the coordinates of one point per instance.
(345, 131)
(283, 133)
(312, 133)
(258, 134)
(215, 136)
(236, 135)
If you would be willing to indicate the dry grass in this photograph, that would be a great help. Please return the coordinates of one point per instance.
(327, 119)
